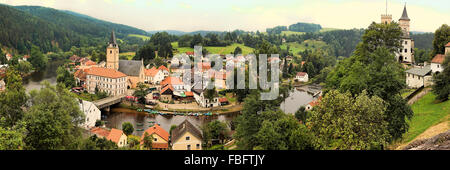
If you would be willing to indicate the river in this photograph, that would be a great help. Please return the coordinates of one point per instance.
(33, 82)
(299, 97)
(142, 120)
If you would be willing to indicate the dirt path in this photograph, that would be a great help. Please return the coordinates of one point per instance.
(431, 132)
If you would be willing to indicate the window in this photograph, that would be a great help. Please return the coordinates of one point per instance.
(438, 66)
(198, 146)
(406, 50)
(110, 52)
(188, 138)
(188, 147)
(156, 139)
(406, 42)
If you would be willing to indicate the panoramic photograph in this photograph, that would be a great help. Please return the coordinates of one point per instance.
(238, 75)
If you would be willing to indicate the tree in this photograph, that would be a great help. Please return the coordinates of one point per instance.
(210, 93)
(10, 139)
(24, 67)
(3, 59)
(148, 141)
(215, 130)
(133, 142)
(13, 99)
(373, 68)
(441, 38)
(301, 114)
(53, 120)
(342, 121)
(237, 51)
(127, 128)
(172, 128)
(65, 77)
(441, 81)
(37, 59)
(141, 92)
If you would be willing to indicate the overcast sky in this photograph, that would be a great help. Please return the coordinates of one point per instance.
(251, 15)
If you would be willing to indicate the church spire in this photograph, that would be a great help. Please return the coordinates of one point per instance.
(405, 15)
(113, 39)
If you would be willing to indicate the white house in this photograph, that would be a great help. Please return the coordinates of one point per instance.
(418, 77)
(436, 63)
(302, 77)
(202, 101)
(91, 112)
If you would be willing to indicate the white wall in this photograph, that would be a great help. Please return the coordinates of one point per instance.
(435, 67)
(414, 81)
(91, 112)
(407, 56)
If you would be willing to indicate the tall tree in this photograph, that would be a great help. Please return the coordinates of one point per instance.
(53, 119)
(441, 38)
(13, 99)
(342, 121)
(65, 77)
(37, 59)
(441, 85)
(127, 128)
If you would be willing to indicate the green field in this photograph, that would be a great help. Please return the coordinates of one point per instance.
(426, 114)
(129, 55)
(143, 37)
(215, 50)
(295, 47)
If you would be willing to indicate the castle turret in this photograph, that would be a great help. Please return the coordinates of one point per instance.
(404, 22)
(112, 53)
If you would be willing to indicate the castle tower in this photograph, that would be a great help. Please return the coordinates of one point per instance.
(406, 53)
(404, 22)
(386, 18)
(112, 53)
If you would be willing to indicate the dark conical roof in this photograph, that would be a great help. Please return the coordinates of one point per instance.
(113, 38)
(405, 15)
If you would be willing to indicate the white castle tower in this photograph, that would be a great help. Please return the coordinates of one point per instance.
(406, 53)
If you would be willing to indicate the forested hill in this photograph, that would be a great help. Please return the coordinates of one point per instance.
(79, 23)
(53, 30)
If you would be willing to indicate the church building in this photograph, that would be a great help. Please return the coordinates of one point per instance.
(134, 69)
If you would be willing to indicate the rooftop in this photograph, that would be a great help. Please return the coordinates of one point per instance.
(158, 130)
(105, 72)
(420, 71)
(184, 127)
(115, 135)
(131, 67)
(439, 58)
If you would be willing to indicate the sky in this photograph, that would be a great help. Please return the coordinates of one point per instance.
(251, 15)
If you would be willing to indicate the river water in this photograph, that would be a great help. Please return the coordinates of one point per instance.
(141, 120)
(33, 82)
(299, 97)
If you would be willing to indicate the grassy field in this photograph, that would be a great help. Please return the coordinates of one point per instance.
(215, 50)
(426, 114)
(295, 47)
(406, 92)
(143, 37)
(129, 55)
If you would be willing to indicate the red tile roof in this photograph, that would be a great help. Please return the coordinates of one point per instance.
(189, 94)
(151, 72)
(115, 135)
(158, 130)
(439, 58)
(160, 145)
(166, 88)
(105, 72)
(81, 74)
(448, 44)
(204, 66)
(90, 63)
(26, 56)
(100, 132)
(301, 74)
(315, 102)
(190, 53)
(171, 81)
(223, 100)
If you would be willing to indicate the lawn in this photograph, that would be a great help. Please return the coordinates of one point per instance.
(143, 37)
(406, 92)
(295, 47)
(215, 50)
(426, 114)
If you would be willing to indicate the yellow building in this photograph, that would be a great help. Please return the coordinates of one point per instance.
(160, 137)
(186, 137)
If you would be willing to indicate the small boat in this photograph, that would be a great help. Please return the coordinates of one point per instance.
(139, 124)
(140, 130)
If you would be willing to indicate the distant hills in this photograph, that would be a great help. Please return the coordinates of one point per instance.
(178, 33)
(51, 29)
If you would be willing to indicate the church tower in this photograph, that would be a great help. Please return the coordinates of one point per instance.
(112, 53)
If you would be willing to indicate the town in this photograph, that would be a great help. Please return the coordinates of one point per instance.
(128, 91)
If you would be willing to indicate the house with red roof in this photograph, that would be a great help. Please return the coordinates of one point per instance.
(115, 135)
(313, 104)
(438, 60)
(301, 77)
(160, 137)
(156, 75)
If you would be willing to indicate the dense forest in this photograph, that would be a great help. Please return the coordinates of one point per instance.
(54, 30)
(298, 27)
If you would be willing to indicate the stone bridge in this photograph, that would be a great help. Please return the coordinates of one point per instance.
(106, 102)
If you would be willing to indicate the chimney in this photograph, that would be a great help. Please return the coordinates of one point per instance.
(425, 63)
